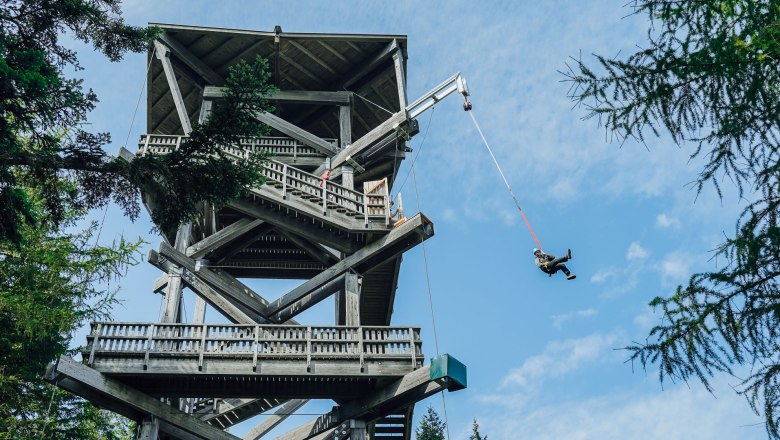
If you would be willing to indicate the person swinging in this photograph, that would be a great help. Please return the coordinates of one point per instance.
(551, 265)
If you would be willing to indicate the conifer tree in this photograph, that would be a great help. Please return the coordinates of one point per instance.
(431, 426)
(708, 76)
(42, 113)
(475, 435)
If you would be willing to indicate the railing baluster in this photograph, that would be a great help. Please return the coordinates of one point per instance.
(324, 182)
(308, 349)
(95, 342)
(361, 348)
(202, 348)
(149, 342)
(284, 182)
(254, 351)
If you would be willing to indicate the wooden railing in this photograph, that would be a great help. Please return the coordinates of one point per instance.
(318, 190)
(253, 342)
(277, 146)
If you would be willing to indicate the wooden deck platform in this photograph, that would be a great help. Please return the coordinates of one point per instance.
(272, 361)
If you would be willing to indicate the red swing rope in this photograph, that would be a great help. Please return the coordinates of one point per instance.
(506, 182)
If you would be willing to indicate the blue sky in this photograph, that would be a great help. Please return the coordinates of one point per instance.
(540, 351)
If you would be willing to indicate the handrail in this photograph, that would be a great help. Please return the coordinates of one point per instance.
(202, 341)
(279, 146)
(329, 195)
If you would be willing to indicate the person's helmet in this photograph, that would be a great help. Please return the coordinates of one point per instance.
(536, 250)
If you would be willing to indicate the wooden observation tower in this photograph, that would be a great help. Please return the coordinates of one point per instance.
(341, 106)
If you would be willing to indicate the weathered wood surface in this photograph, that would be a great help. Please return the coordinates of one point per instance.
(340, 98)
(413, 387)
(163, 55)
(394, 243)
(275, 419)
(222, 237)
(296, 132)
(270, 350)
(112, 394)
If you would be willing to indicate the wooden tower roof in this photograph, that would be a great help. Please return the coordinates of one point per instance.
(300, 61)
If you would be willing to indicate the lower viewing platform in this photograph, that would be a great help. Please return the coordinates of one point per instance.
(279, 361)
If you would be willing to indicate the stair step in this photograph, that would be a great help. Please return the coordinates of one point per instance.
(389, 429)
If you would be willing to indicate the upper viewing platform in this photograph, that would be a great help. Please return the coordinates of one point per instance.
(299, 62)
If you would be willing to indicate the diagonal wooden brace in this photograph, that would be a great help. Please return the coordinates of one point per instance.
(113, 395)
(399, 240)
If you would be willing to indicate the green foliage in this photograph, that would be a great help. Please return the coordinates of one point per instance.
(475, 435)
(41, 107)
(200, 170)
(50, 284)
(709, 77)
(431, 426)
(42, 143)
(47, 412)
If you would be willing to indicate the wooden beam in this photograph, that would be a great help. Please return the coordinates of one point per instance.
(345, 126)
(236, 246)
(413, 387)
(400, 239)
(163, 54)
(352, 299)
(309, 300)
(173, 291)
(275, 419)
(150, 427)
(282, 221)
(311, 56)
(230, 308)
(313, 249)
(380, 132)
(219, 280)
(222, 237)
(354, 77)
(400, 77)
(297, 133)
(190, 60)
(315, 97)
(369, 65)
(94, 386)
(301, 68)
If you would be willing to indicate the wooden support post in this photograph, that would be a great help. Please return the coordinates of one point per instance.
(173, 292)
(345, 135)
(380, 132)
(150, 427)
(397, 241)
(357, 430)
(163, 54)
(400, 77)
(190, 60)
(345, 126)
(352, 299)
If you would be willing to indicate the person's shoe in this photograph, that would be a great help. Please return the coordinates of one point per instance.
(571, 276)
(568, 254)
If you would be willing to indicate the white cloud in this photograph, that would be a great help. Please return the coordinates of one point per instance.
(665, 221)
(678, 413)
(559, 358)
(675, 267)
(603, 275)
(559, 320)
(646, 319)
(636, 252)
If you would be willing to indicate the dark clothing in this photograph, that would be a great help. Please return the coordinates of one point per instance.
(553, 265)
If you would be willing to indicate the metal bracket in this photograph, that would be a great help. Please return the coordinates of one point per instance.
(358, 168)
